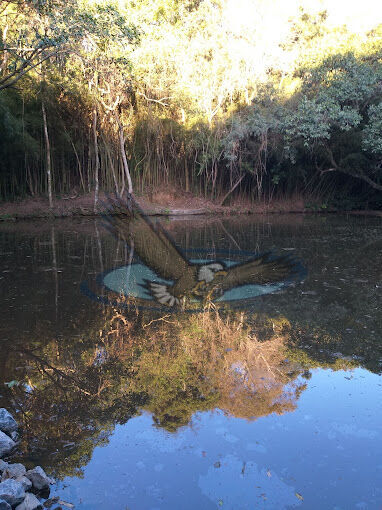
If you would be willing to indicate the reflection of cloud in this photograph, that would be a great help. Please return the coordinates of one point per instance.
(164, 442)
(223, 432)
(238, 484)
(344, 429)
(256, 447)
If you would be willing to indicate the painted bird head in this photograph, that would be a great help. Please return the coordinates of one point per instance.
(208, 272)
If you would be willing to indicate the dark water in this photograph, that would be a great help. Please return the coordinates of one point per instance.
(277, 405)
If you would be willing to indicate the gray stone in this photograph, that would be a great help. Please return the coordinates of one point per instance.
(4, 505)
(13, 471)
(25, 482)
(38, 478)
(15, 436)
(6, 444)
(7, 422)
(50, 502)
(12, 492)
(3, 465)
(30, 503)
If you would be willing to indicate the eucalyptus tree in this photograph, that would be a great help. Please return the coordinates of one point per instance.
(105, 64)
(29, 36)
(323, 117)
(65, 49)
(338, 117)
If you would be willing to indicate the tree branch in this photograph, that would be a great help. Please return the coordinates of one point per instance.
(24, 69)
(159, 101)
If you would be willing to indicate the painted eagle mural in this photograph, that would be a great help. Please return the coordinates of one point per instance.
(191, 281)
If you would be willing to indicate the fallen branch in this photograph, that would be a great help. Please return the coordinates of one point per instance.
(231, 190)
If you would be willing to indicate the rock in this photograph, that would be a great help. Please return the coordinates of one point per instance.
(6, 444)
(12, 492)
(4, 505)
(13, 471)
(25, 482)
(30, 503)
(15, 436)
(50, 502)
(65, 503)
(38, 478)
(7, 422)
(3, 465)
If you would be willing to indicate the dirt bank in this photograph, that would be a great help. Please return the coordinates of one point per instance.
(164, 202)
(161, 203)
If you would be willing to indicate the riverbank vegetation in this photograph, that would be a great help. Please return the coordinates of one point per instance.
(206, 96)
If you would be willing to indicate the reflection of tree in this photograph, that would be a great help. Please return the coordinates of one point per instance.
(84, 371)
(74, 392)
(227, 367)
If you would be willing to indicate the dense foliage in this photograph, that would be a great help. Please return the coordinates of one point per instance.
(188, 93)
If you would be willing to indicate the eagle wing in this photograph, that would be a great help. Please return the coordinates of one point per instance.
(262, 270)
(150, 242)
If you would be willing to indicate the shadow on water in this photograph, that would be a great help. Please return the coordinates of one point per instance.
(75, 368)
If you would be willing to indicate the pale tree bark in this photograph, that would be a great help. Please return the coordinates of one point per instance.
(96, 159)
(48, 157)
(231, 190)
(111, 163)
(123, 154)
(5, 53)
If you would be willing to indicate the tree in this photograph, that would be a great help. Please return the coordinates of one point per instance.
(337, 97)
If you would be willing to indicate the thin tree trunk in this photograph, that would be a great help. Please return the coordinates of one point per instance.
(79, 166)
(111, 163)
(5, 52)
(231, 190)
(89, 162)
(96, 159)
(48, 159)
(123, 154)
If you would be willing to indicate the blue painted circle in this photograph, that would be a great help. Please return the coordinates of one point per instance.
(131, 282)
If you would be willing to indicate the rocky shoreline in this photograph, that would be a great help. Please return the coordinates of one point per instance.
(21, 489)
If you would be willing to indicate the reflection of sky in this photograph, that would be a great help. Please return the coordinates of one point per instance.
(325, 451)
(130, 281)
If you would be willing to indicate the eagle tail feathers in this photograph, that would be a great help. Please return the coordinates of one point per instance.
(160, 293)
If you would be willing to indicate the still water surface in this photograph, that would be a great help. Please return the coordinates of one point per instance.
(274, 405)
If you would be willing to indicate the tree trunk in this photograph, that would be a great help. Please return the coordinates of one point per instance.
(48, 158)
(361, 176)
(96, 159)
(123, 154)
(5, 52)
(79, 166)
(231, 190)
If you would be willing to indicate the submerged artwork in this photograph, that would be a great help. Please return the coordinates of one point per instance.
(159, 275)
(273, 405)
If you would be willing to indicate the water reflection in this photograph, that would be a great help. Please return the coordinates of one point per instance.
(72, 394)
(84, 369)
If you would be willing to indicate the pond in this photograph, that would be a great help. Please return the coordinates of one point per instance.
(272, 401)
